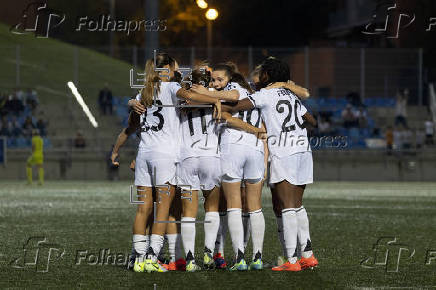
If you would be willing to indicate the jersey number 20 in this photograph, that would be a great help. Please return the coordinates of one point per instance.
(280, 107)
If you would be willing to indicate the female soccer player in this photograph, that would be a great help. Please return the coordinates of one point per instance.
(291, 158)
(157, 155)
(242, 159)
(37, 158)
(199, 169)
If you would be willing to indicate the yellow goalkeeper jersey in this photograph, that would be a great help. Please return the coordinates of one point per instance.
(38, 145)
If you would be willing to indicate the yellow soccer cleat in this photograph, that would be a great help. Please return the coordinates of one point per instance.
(191, 266)
(153, 266)
(139, 267)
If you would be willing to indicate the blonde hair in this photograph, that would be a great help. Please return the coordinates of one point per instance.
(152, 79)
(151, 84)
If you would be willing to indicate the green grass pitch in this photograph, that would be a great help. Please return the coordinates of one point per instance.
(346, 220)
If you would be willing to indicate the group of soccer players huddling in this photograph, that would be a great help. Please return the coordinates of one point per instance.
(225, 137)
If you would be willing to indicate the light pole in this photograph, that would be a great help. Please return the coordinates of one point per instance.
(211, 15)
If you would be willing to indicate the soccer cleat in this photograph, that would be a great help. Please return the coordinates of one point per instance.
(257, 263)
(240, 266)
(220, 263)
(139, 264)
(308, 262)
(208, 262)
(151, 265)
(288, 267)
(191, 266)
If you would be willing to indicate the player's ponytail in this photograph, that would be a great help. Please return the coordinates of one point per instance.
(152, 79)
(231, 71)
(150, 85)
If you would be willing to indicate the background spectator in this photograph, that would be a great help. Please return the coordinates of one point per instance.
(79, 141)
(401, 108)
(41, 125)
(105, 100)
(324, 126)
(349, 117)
(15, 127)
(32, 99)
(362, 117)
(14, 105)
(28, 126)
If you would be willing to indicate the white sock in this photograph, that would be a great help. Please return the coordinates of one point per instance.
(211, 226)
(140, 244)
(257, 222)
(247, 228)
(188, 235)
(222, 233)
(290, 229)
(236, 229)
(280, 234)
(156, 243)
(174, 246)
(303, 233)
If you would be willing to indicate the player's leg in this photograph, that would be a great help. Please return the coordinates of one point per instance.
(163, 172)
(277, 208)
(220, 262)
(40, 173)
(305, 176)
(257, 222)
(286, 195)
(188, 226)
(254, 171)
(211, 224)
(245, 215)
(140, 237)
(232, 192)
(164, 198)
(233, 160)
(173, 236)
(209, 176)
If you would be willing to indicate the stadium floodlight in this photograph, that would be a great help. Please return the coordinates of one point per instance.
(82, 103)
(211, 14)
(202, 4)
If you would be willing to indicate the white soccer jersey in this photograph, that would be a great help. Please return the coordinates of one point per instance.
(199, 133)
(234, 136)
(160, 125)
(282, 112)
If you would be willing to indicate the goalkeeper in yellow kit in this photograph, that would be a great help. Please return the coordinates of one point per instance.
(37, 158)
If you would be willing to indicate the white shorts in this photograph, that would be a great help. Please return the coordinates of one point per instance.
(297, 168)
(239, 162)
(199, 172)
(153, 169)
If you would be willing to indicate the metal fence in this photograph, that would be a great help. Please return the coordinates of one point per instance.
(327, 72)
